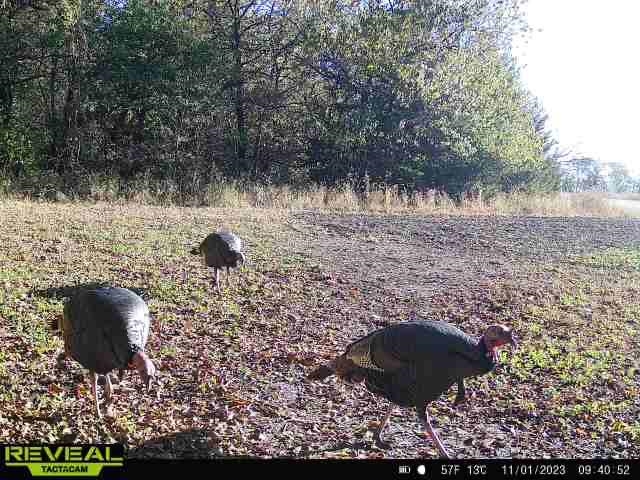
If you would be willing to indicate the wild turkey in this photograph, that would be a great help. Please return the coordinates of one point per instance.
(106, 329)
(413, 363)
(220, 250)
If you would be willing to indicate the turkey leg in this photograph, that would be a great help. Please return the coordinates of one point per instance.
(377, 436)
(424, 416)
(216, 277)
(461, 395)
(94, 390)
(108, 389)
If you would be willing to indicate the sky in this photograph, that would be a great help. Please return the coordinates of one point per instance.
(584, 65)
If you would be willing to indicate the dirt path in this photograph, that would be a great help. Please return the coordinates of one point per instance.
(631, 206)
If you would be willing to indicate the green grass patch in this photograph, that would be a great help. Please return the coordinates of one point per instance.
(566, 362)
(631, 429)
(614, 258)
(593, 408)
(576, 299)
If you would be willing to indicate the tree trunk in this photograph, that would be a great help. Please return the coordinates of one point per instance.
(241, 121)
(53, 120)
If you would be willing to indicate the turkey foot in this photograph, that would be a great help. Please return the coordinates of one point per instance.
(377, 436)
(434, 436)
(111, 412)
(380, 443)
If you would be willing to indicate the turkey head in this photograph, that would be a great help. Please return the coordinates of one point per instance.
(496, 336)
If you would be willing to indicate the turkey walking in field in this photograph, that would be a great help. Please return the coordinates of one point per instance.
(413, 363)
(106, 329)
(220, 250)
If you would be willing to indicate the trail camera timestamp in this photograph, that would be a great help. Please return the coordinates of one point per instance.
(523, 469)
(613, 470)
(534, 468)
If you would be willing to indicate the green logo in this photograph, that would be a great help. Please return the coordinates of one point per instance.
(64, 461)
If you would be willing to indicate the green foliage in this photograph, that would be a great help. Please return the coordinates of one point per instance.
(419, 94)
(482, 109)
(583, 174)
(16, 151)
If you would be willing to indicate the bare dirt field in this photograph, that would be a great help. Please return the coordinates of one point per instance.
(232, 367)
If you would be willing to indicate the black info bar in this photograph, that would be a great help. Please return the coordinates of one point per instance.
(112, 462)
(390, 468)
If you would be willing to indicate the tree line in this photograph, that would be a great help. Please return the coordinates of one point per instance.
(423, 94)
(585, 174)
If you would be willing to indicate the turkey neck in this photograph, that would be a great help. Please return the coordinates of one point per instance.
(488, 349)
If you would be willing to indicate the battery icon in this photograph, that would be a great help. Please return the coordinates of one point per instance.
(404, 469)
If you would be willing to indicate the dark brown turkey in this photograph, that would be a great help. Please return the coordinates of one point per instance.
(413, 363)
(106, 329)
(220, 250)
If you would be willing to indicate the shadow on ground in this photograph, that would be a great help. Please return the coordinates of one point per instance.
(187, 444)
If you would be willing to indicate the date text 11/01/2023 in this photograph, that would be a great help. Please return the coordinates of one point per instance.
(582, 469)
(551, 469)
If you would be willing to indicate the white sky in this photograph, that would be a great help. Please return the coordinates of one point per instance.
(584, 66)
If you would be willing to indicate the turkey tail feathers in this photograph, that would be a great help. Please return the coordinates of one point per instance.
(342, 367)
(320, 373)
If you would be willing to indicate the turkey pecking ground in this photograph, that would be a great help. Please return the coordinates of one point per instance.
(232, 367)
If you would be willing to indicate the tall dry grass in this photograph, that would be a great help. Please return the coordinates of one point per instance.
(378, 200)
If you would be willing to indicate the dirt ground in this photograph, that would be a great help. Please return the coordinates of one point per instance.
(419, 257)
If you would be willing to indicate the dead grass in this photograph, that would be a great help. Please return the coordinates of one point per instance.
(342, 199)
(558, 205)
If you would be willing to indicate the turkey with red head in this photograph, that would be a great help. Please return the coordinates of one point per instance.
(413, 363)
